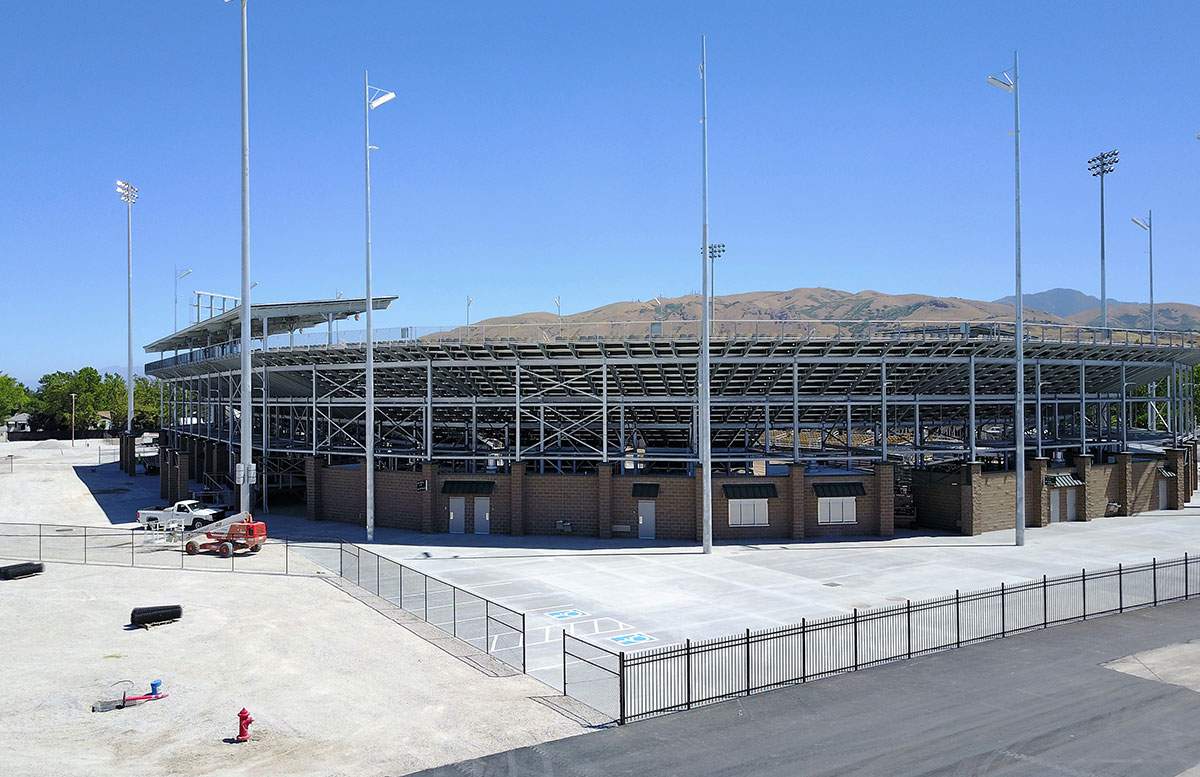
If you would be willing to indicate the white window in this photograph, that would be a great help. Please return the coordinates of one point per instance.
(747, 512)
(836, 509)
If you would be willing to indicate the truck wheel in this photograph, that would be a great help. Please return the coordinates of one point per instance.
(256, 548)
(192, 548)
(226, 549)
(199, 523)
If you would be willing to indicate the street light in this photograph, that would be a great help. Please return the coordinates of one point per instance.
(129, 195)
(1148, 225)
(178, 277)
(1011, 84)
(73, 395)
(1101, 165)
(558, 304)
(714, 252)
(659, 303)
(373, 97)
(469, 301)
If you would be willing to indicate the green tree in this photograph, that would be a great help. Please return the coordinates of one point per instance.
(14, 397)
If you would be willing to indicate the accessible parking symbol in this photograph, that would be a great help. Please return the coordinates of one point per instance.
(629, 640)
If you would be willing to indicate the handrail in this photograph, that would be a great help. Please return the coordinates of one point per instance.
(550, 332)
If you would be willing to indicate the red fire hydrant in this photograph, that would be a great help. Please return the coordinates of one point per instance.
(244, 721)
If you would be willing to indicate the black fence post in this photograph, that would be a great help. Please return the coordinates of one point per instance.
(1154, 572)
(564, 660)
(957, 622)
(1120, 588)
(454, 611)
(286, 552)
(747, 662)
(39, 528)
(688, 671)
(85, 544)
(855, 639)
(908, 613)
(377, 577)
(1186, 595)
(400, 572)
(1083, 588)
(621, 687)
(358, 555)
(487, 633)
(1003, 632)
(341, 555)
(524, 665)
(1045, 604)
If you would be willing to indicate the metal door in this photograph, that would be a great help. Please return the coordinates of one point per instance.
(458, 511)
(483, 515)
(1162, 495)
(646, 519)
(1070, 504)
(1055, 506)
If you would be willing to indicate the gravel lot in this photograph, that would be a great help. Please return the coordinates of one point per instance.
(334, 687)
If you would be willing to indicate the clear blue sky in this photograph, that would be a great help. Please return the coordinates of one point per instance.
(543, 148)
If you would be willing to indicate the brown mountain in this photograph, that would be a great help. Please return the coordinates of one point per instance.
(1167, 315)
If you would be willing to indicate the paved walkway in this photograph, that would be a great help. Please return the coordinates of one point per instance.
(1114, 697)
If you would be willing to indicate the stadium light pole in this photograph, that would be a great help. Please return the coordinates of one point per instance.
(129, 195)
(246, 420)
(702, 381)
(715, 251)
(1101, 165)
(1148, 225)
(373, 97)
(178, 277)
(1011, 84)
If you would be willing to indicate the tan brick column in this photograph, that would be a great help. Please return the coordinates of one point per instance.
(796, 479)
(969, 478)
(181, 479)
(517, 498)
(1083, 471)
(885, 484)
(1176, 498)
(1125, 482)
(312, 487)
(604, 501)
(1037, 501)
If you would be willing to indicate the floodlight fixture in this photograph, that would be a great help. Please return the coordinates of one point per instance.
(1001, 80)
(128, 192)
(380, 98)
(1103, 164)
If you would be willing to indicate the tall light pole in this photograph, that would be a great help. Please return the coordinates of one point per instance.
(715, 251)
(558, 304)
(1148, 225)
(702, 378)
(1101, 165)
(73, 395)
(129, 195)
(246, 454)
(469, 301)
(1011, 84)
(178, 277)
(373, 97)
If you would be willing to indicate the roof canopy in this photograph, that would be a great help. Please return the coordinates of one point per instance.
(280, 317)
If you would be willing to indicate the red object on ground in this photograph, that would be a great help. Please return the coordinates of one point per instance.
(243, 535)
(244, 721)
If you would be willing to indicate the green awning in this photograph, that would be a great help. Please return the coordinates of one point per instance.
(645, 490)
(461, 487)
(749, 490)
(839, 489)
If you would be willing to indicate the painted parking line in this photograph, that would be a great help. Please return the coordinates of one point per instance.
(594, 627)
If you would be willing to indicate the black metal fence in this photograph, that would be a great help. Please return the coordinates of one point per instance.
(629, 686)
(490, 627)
(113, 546)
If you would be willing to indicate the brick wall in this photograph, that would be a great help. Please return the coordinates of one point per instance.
(398, 503)
(1145, 486)
(343, 494)
(938, 505)
(675, 507)
(994, 501)
(1104, 488)
(550, 498)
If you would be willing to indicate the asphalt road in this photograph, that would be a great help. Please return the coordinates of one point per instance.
(1040, 704)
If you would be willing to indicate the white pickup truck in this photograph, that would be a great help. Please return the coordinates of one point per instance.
(189, 513)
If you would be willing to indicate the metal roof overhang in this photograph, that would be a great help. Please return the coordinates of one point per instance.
(281, 317)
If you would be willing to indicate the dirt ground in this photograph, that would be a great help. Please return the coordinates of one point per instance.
(334, 687)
